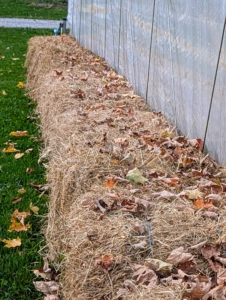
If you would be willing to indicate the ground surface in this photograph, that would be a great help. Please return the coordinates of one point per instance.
(135, 211)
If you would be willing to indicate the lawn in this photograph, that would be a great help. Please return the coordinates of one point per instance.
(34, 9)
(18, 175)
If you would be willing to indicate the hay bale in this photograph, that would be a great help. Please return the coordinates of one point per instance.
(95, 130)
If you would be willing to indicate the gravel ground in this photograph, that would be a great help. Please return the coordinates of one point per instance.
(28, 23)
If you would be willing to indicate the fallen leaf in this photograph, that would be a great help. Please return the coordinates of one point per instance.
(50, 297)
(217, 293)
(12, 243)
(19, 155)
(18, 133)
(20, 215)
(178, 256)
(29, 150)
(158, 266)
(10, 149)
(140, 246)
(198, 289)
(20, 85)
(22, 191)
(136, 177)
(139, 227)
(106, 262)
(200, 203)
(163, 195)
(198, 246)
(197, 143)
(194, 194)
(18, 226)
(35, 209)
(210, 214)
(15, 58)
(209, 251)
(111, 183)
(29, 170)
(145, 276)
(58, 73)
(214, 197)
(46, 287)
(15, 200)
(3, 93)
(143, 202)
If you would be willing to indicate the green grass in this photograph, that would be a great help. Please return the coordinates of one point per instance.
(16, 274)
(34, 9)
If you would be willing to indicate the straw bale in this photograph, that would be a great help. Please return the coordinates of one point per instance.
(90, 121)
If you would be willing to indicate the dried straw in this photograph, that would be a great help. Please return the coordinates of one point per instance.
(83, 112)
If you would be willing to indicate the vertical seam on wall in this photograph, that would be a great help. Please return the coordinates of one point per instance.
(214, 84)
(149, 60)
(171, 58)
(105, 35)
(80, 21)
(119, 38)
(91, 33)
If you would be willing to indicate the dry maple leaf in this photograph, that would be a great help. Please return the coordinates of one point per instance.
(18, 226)
(12, 243)
(20, 215)
(10, 149)
(145, 276)
(178, 256)
(198, 288)
(111, 183)
(18, 133)
(209, 251)
(217, 293)
(200, 203)
(106, 262)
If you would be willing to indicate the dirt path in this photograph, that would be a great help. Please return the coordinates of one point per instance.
(135, 211)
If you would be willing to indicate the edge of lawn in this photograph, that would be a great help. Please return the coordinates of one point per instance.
(18, 114)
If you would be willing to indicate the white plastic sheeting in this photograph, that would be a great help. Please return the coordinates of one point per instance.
(168, 50)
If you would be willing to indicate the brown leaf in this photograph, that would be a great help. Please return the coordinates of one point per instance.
(139, 227)
(15, 200)
(178, 256)
(210, 214)
(58, 73)
(198, 289)
(33, 208)
(106, 262)
(145, 203)
(200, 203)
(12, 243)
(198, 246)
(111, 183)
(194, 194)
(20, 215)
(145, 276)
(29, 170)
(163, 195)
(217, 293)
(46, 287)
(221, 276)
(209, 251)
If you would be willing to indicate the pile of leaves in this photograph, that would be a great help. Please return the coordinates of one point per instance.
(135, 212)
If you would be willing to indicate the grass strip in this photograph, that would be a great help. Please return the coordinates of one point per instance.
(17, 114)
(34, 9)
